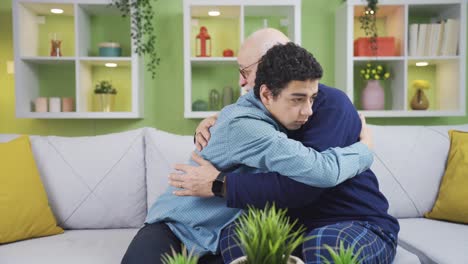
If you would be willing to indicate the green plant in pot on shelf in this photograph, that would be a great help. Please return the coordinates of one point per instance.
(267, 237)
(373, 95)
(105, 94)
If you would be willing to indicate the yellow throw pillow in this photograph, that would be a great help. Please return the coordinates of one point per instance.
(24, 208)
(452, 201)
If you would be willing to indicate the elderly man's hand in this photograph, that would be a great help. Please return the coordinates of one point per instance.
(197, 181)
(202, 133)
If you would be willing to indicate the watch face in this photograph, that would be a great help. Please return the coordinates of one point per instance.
(217, 188)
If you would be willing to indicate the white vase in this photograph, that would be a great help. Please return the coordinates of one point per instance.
(373, 96)
(291, 260)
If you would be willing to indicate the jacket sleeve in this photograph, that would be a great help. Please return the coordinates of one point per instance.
(258, 189)
(260, 145)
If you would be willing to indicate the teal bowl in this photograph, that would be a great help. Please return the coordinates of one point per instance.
(110, 52)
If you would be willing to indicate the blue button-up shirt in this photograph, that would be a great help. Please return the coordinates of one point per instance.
(246, 138)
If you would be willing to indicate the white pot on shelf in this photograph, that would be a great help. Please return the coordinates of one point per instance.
(291, 260)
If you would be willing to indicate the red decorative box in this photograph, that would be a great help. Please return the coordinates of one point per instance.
(385, 47)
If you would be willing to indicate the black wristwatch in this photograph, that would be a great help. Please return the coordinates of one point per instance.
(218, 185)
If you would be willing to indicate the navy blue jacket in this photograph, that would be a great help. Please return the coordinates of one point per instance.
(334, 123)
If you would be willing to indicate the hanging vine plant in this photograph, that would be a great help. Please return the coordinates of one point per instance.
(369, 24)
(142, 32)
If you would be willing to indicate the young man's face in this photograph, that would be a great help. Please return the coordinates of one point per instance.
(293, 106)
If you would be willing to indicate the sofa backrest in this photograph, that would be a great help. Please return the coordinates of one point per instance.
(93, 182)
(162, 151)
(409, 163)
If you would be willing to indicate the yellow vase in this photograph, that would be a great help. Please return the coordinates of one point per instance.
(105, 102)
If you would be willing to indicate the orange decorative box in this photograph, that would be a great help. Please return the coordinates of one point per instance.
(385, 47)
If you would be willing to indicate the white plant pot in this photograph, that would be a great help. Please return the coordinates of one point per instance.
(291, 260)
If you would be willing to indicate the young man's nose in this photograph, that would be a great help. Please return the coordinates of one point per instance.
(307, 110)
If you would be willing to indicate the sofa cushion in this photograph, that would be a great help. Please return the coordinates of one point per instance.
(409, 163)
(403, 256)
(23, 200)
(73, 247)
(434, 241)
(452, 200)
(94, 182)
(163, 150)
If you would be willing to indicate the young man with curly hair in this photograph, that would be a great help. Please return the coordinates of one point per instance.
(354, 212)
(249, 136)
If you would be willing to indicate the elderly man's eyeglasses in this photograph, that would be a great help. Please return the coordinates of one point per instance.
(244, 72)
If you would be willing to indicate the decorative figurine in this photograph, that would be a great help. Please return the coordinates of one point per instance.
(203, 40)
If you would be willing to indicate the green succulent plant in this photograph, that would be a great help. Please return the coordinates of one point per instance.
(180, 258)
(343, 255)
(267, 236)
(104, 87)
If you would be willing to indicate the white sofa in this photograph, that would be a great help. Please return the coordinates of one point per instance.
(100, 187)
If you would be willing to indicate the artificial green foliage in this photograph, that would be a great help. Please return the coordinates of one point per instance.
(180, 258)
(369, 24)
(373, 71)
(143, 33)
(267, 237)
(343, 255)
(104, 87)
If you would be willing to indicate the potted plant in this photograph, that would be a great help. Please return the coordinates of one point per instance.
(267, 237)
(105, 94)
(369, 24)
(343, 255)
(373, 95)
(180, 258)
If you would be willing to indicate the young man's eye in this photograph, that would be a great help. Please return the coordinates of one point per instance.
(297, 100)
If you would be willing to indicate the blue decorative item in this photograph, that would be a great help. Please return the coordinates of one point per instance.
(109, 49)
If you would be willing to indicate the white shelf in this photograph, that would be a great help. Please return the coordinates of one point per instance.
(433, 58)
(412, 113)
(213, 60)
(83, 25)
(446, 74)
(377, 58)
(199, 114)
(78, 115)
(48, 60)
(205, 74)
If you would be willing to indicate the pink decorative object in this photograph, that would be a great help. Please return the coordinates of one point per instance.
(373, 96)
(40, 104)
(67, 104)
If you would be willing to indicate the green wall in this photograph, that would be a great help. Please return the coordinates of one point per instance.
(164, 95)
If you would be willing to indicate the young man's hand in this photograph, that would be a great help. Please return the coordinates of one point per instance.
(197, 181)
(202, 133)
(366, 134)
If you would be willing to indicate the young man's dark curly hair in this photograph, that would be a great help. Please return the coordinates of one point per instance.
(284, 63)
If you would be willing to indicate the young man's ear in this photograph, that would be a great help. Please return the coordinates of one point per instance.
(265, 94)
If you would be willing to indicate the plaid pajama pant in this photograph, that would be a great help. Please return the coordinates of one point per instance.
(377, 246)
